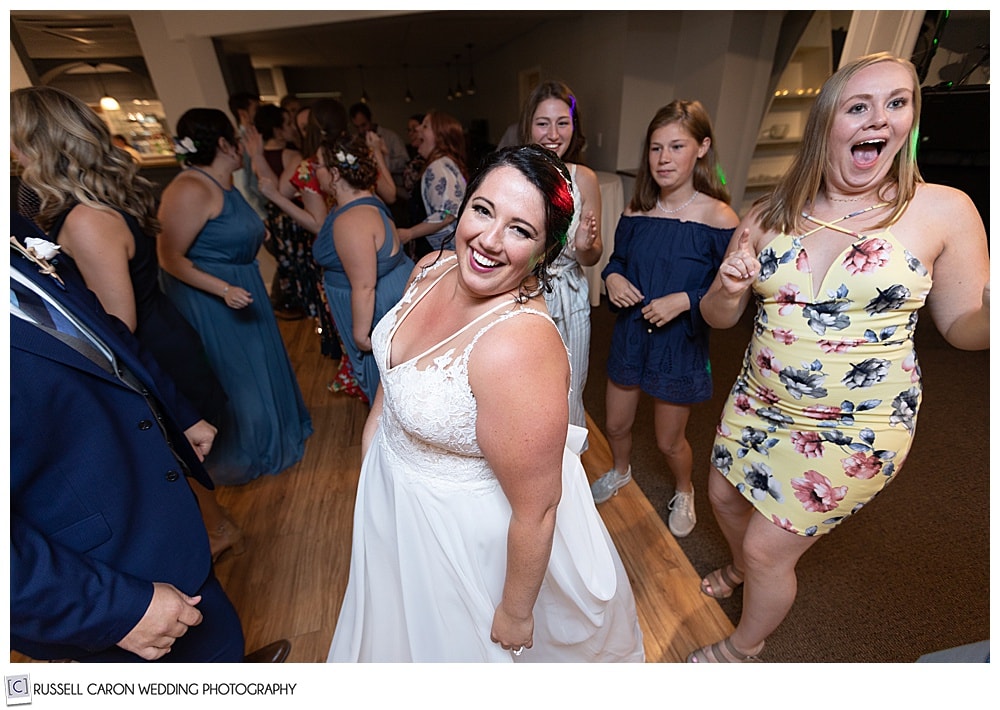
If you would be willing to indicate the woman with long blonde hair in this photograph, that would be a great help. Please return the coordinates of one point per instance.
(839, 259)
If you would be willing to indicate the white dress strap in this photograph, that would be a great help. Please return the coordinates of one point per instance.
(392, 333)
(423, 293)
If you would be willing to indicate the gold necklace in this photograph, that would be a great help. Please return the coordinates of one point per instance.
(859, 198)
(676, 209)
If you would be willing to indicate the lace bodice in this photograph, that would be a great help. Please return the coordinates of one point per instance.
(429, 412)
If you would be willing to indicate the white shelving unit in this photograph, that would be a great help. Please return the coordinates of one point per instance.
(781, 128)
(143, 126)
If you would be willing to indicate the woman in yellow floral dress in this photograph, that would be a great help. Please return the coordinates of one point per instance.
(839, 258)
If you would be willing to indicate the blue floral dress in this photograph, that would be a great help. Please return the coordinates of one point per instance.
(442, 189)
(823, 412)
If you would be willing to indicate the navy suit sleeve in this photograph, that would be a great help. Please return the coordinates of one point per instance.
(104, 607)
(98, 508)
(183, 412)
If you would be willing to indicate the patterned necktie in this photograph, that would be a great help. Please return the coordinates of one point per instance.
(38, 310)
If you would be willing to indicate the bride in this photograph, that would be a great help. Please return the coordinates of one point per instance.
(475, 534)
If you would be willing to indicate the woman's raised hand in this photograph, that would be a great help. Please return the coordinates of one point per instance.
(740, 267)
(586, 233)
(253, 142)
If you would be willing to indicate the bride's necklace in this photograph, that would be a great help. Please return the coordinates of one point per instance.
(676, 209)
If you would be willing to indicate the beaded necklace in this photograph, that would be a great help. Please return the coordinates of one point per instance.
(676, 209)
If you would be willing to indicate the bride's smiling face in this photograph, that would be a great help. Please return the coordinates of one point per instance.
(501, 234)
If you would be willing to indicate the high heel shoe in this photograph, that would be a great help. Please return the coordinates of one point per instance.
(226, 536)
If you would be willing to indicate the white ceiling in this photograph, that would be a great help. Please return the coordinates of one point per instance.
(417, 39)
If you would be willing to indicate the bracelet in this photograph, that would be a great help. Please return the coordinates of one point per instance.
(225, 291)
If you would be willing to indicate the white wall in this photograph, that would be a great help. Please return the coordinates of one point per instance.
(622, 65)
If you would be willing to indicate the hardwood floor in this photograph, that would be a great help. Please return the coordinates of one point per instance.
(290, 580)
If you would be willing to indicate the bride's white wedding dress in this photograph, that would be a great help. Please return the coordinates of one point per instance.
(430, 527)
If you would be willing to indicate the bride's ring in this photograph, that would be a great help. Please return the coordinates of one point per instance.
(517, 651)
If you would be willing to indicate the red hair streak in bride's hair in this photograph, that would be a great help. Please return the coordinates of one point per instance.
(562, 200)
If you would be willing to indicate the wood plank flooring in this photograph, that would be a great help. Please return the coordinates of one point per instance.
(290, 580)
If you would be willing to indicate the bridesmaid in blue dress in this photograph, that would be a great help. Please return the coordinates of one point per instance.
(208, 252)
(365, 269)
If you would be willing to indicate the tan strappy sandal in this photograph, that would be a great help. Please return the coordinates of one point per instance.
(723, 652)
(721, 583)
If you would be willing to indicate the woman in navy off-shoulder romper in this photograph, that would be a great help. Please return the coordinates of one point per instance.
(668, 246)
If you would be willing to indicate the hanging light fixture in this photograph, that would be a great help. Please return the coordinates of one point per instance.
(458, 78)
(409, 97)
(108, 102)
(471, 90)
(364, 94)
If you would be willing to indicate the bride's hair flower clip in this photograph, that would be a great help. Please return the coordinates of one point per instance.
(184, 146)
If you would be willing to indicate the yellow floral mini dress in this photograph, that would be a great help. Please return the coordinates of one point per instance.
(824, 410)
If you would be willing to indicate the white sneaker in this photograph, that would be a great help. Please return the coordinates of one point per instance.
(607, 485)
(682, 518)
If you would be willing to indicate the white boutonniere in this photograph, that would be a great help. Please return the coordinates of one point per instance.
(40, 251)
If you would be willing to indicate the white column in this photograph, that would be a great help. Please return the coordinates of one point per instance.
(872, 31)
(185, 70)
(18, 74)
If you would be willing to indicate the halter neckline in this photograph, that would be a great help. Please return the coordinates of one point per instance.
(210, 177)
(835, 226)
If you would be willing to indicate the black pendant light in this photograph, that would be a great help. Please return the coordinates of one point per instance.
(409, 96)
(471, 88)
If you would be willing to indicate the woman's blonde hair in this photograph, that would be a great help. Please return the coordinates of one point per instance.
(781, 209)
(69, 158)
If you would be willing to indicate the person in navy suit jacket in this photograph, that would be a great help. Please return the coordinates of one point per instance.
(109, 558)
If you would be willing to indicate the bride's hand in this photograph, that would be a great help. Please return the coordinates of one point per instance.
(512, 633)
